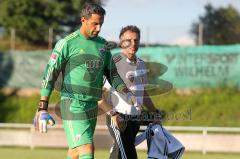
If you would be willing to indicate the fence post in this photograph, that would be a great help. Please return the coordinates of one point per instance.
(200, 33)
(204, 150)
(32, 129)
(12, 39)
(50, 38)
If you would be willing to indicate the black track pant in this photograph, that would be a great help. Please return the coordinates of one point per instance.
(123, 147)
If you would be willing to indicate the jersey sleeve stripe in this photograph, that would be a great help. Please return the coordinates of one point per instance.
(48, 77)
(60, 45)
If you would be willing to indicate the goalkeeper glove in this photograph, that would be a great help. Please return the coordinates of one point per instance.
(43, 118)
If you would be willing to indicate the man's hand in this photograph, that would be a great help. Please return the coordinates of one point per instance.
(139, 109)
(131, 99)
(118, 122)
(41, 120)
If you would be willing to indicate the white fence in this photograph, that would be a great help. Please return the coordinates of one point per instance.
(204, 139)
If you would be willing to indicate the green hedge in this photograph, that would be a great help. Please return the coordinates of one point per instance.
(208, 107)
(16, 109)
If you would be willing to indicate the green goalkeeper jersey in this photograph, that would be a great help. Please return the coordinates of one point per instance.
(82, 63)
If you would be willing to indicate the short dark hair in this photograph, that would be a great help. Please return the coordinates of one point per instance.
(131, 28)
(92, 8)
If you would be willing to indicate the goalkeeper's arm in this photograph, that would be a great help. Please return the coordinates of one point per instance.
(51, 73)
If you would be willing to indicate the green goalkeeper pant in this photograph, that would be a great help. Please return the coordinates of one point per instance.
(79, 121)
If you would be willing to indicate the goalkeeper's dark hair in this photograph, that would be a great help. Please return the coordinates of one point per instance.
(92, 8)
(131, 28)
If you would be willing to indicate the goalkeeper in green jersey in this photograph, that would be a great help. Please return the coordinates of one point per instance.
(82, 58)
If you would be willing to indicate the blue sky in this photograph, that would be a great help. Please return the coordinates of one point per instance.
(162, 21)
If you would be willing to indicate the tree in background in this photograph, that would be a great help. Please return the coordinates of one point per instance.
(32, 19)
(220, 26)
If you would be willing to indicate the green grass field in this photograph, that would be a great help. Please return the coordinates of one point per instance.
(26, 153)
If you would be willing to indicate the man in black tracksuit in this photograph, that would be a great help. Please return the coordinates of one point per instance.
(122, 121)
